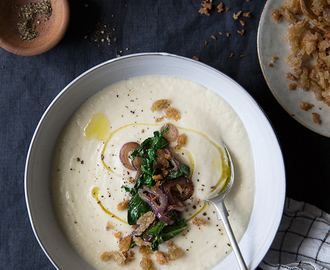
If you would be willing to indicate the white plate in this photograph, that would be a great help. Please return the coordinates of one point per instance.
(271, 43)
(269, 167)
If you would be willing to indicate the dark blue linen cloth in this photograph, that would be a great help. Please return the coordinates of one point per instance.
(28, 85)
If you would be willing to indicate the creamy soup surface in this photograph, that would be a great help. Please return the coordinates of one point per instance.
(87, 174)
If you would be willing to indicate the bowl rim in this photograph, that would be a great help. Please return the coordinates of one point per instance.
(281, 174)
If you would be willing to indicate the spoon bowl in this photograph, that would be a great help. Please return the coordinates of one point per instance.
(222, 213)
(306, 8)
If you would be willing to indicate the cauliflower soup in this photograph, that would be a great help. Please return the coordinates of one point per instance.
(88, 175)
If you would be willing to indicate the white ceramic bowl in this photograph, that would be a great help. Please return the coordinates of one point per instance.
(269, 167)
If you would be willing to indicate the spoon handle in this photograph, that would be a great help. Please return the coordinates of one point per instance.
(222, 214)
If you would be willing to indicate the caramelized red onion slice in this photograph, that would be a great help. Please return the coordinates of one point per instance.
(178, 190)
(138, 174)
(161, 216)
(137, 162)
(174, 162)
(172, 134)
(155, 198)
(124, 153)
(178, 207)
(147, 238)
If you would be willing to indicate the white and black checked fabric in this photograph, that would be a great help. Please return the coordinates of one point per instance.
(302, 241)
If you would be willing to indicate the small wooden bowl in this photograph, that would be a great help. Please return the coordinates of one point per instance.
(50, 31)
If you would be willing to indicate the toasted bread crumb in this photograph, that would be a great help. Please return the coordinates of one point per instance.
(220, 7)
(206, 7)
(144, 221)
(145, 252)
(198, 221)
(276, 15)
(306, 106)
(105, 256)
(147, 264)
(235, 16)
(125, 242)
(109, 226)
(117, 234)
(161, 258)
(129, 255)
(181, 141)
(160, 104)
(174, 252)
(116, 256)
(290, 76)
(316, 118)
(241, 32)
(293, 86)
(138, 241)
(172, 113)
(122, 205)
(159, 119)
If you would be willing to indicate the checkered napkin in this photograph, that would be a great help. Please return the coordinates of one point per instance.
(302, 241)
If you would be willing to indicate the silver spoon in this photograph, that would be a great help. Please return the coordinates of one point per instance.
(222, 213)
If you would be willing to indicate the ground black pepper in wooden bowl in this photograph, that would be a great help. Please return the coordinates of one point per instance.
(31, 27)
(30, 15)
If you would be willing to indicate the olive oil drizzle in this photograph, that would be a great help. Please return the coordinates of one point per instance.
(113, 133)
(225, 165)
(95, 193)
(191, 160)
(223, 181)
(227, 172)
(98, 127)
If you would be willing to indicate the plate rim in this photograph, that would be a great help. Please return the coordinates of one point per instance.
(271, 88)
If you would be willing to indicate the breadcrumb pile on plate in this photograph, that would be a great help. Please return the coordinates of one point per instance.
(309, 60)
